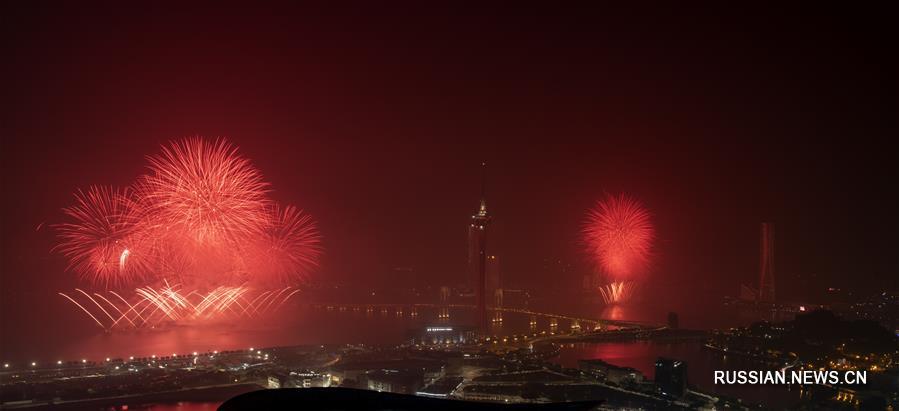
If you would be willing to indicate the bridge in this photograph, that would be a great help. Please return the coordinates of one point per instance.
(443, 313)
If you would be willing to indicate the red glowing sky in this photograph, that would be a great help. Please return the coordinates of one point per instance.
(374, 121)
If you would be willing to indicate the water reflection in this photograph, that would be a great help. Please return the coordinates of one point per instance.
(613, 312)
(306, 325)
(302, 325)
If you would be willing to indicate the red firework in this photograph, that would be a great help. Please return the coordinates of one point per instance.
(206, 190)
(105, 243)
(619, 235)
(288, 249)
(150, 307)
(201, 217)
(618, 292)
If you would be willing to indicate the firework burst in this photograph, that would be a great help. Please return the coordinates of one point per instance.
(288, 249)
(157, 306)
(619, 235)
(104, 242)
(206, 190)
(618, 292)
(201, 216)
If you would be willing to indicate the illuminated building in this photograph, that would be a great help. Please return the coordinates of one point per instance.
(444, 334)
(397, 381)
(671, 377)
(609, 372)
(308, 379)
(273, 382)
(477, 257)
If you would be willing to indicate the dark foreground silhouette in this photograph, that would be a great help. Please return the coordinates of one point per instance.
(353, 399)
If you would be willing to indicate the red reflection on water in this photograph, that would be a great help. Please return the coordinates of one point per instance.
(639, 355)
(613, 312)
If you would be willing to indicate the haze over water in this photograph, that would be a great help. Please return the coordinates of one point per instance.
(69, 335)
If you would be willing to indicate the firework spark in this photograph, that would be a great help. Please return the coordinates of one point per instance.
(157, 306)
(618, 292)
(207, 190)
(288, 249)
(619, 235)
(99, 241)
(202, 217)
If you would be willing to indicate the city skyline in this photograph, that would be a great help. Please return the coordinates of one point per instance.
(500, 203)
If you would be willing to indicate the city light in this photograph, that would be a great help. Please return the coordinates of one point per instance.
(438, 329)
(618, 253)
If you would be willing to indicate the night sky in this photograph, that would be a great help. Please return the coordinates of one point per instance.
(375, 121)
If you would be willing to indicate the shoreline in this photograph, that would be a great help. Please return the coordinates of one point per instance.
(196, 394)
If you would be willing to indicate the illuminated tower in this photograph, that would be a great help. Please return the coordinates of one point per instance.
(444, 303)
(494, 287)
(477, 255)
(494, 276)
(766, 263)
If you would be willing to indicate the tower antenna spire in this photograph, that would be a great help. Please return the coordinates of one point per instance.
(477, 253)
(483, 210)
